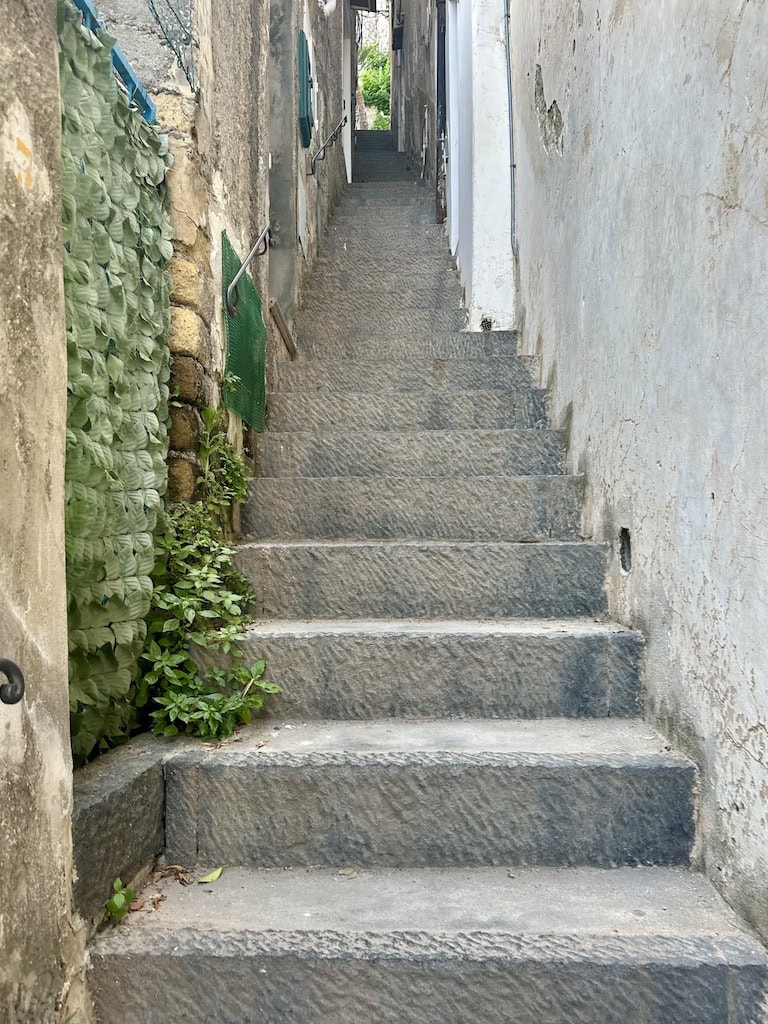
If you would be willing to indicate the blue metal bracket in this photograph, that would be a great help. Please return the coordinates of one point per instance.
(122, 66)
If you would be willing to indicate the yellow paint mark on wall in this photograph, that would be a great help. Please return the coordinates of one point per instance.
(20, 157)
(24, 174)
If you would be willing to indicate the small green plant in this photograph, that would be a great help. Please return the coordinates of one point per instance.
(230, 382)
(119, 902)
(381, 122)
(200, 602)
(224, 477)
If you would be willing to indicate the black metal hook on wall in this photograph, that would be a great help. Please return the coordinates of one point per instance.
(12, 691)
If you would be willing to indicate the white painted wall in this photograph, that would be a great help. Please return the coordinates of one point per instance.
(347, 99)
(480, 221)
(643, 254)
(453, 192)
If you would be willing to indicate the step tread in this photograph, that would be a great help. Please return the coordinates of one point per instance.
(325, 910)
(330, 377)
(552, 740)
(468, 547)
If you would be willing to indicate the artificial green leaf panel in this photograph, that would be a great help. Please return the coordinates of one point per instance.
(116, 293)
(244, 384)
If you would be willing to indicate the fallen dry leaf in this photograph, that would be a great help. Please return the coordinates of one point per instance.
(216, 873)
(137, 905)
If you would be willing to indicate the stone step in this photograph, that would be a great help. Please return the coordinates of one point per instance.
(487, 946)
(500, 374)
(424, 579)
(323, 304)
(389, 194)
(363, 257)
(371, 319)
(410, 508)
(388, 286)
(503, 668)
(370, 167)
(369, 138)
(558, 792)
(380, 191)
(433, 453)
(523, 408)
(375, 159)
(411, 221)
(373, 211)
(404, 343)
(390, 229)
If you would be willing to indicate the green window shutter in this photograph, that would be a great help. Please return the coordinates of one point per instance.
(305, 92)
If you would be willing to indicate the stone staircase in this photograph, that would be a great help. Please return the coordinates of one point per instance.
(455, 814)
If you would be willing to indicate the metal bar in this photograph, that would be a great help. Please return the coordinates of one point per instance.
(261, 243)
(282, 325)
(120, 63)
(320, 154)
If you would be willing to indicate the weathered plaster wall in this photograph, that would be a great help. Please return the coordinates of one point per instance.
(300, 202)
(414, 78)
(39, 951)
(322, 189)
(642, 223)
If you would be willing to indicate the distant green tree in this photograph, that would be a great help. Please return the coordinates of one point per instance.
(375, 78)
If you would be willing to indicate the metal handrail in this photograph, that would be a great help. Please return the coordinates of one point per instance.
(259, 248)
(320, 154)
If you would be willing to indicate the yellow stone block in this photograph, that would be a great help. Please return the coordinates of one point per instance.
(188, 334)
(186, 282)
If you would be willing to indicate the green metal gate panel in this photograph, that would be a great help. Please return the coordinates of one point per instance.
(244, 384)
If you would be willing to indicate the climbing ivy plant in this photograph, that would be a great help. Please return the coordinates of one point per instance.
(116, 240)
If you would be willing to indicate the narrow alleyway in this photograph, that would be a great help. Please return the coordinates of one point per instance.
(456, 813)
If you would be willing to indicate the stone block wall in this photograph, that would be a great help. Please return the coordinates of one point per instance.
(193, 379)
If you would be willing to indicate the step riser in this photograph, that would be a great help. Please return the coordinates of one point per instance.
(447, 375)
(402, 411)
(399, 344)
(366, 676)
(527, 510)
(323, 983)
(425, 580)
(427, 454)
(367, 320)
(429, 809)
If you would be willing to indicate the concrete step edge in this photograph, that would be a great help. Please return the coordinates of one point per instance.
(514, 627)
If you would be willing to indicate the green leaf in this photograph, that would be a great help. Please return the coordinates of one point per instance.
(216, 873)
